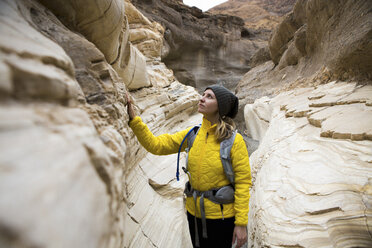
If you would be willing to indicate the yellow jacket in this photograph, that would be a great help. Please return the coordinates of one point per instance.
(205, 167)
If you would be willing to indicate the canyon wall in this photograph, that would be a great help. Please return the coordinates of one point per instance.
(312, 171)
(72, 174)
(202, 48)
(317, 38)
(260, 16)
(310, 110)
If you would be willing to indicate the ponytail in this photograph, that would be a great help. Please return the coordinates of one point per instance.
(225, 128)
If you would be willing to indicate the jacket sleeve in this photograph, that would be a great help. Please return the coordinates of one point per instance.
(243, 180)
(159, 145)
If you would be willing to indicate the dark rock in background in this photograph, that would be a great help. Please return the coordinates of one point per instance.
(202, 48)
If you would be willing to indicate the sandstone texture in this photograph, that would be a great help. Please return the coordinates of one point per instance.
(310, 110)
(313, 45)
(72, 174)
(317, 42)
(312, 171)
(104, 24)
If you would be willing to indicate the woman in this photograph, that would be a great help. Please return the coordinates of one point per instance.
(225, 223)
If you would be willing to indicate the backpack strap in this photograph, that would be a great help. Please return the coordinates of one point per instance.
(192, 130)
(225, 151)
(190, 142)
(192, 136)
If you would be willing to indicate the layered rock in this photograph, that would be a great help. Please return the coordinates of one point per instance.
(201, 48)
(260, 16)
(317, 42)
(312, 170)
(105, 24)
(334, 34)
(53, 163)
(72, 172)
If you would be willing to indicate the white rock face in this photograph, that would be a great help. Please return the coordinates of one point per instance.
(49, 187)
(312, 171)
(72, 174)
(135, 72)
(257, 117)
(102, 22)
(105, 24)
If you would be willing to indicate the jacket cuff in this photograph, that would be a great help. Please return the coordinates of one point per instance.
(241, 221)
(134, 121)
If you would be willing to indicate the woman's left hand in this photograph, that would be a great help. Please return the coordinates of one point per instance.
(240, 234)
(131, 112)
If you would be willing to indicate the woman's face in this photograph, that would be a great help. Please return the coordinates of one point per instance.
(208, 104)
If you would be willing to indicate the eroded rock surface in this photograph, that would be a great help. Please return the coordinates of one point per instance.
(312, 171)
(199, 47)
(317, 42)
(260, 17)
(69, 161)
(105, 24)
(72, 173)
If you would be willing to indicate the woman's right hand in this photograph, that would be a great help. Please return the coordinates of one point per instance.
(240, 236)
(131, 112)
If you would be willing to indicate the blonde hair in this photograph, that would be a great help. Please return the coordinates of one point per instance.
(225, 128)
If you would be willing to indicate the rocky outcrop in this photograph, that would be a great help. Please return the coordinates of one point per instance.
(260, 16)
(104, 24)
(201, 48)
(334, 33)
(312, 170)
(260, 19)
(74, 175)
(316, 43)
(72, 172)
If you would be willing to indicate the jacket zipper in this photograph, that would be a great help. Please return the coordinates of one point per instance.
(202, 157)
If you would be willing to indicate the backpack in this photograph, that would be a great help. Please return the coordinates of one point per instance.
(225, 150)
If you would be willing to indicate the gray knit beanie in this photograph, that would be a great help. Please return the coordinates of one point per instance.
(228, 103)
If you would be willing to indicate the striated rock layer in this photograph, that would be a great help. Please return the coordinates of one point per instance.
(319, 41)
(313, 45)
(72, 173)
(260, 16)
(199, 47)
(312, 172)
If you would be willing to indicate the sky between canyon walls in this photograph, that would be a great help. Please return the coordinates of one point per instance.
(204, 5)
